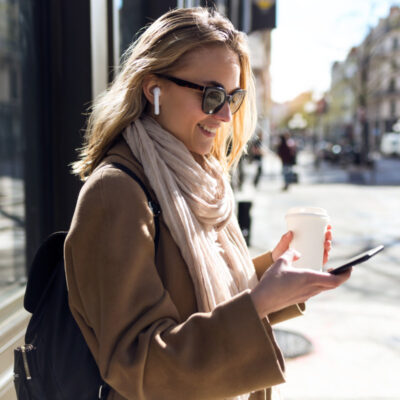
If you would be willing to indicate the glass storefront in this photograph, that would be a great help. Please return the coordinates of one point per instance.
(43, 62)
(12, 218)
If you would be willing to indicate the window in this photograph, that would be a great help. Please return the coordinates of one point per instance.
(392, 108)
(12, 214)
(392, 86)
(395, 43)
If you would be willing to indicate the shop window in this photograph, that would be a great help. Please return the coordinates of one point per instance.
(12, 214)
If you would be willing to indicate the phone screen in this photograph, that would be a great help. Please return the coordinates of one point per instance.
(357, 260)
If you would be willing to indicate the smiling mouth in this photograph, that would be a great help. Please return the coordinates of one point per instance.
(208, 131)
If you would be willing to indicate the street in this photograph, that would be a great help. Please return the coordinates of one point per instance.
(354, 330)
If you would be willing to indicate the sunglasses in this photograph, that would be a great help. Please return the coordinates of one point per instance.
(214, 97)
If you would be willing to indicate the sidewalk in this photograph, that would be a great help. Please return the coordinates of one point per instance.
(354, 330)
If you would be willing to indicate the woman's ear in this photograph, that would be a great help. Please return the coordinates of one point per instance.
(150, 82)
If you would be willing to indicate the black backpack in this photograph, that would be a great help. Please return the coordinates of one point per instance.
(56, 363)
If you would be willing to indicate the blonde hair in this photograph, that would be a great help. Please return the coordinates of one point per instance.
(158, 50)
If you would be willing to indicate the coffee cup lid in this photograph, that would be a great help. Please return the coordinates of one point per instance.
(307, 211)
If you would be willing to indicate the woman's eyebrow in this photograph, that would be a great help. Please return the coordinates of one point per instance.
(215, 83)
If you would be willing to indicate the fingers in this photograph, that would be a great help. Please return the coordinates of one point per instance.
(327, 249)
(331, 281)
(282, 246)
(288, 235)
(283, 285)
(344, 276)
(328, 238)
(290, 255)
(317, 279)
(328, 234)
(327, 243)
(285, 241)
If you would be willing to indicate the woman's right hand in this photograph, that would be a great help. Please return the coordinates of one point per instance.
(283, 285)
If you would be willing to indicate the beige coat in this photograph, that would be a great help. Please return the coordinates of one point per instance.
(138, 312)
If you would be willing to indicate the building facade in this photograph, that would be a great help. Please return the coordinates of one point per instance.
(382, 47)
(364, 98)
(343, 102)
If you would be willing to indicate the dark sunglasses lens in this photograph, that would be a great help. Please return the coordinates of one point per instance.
(237, 100)
(213, 100)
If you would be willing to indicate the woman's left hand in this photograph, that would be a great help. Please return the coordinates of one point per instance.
(283, 244)
(327, 243)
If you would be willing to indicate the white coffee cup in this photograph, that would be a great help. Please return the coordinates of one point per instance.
(308, 225)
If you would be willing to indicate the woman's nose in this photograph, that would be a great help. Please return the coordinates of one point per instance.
(224, 114)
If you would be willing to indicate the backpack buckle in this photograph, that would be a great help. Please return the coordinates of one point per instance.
(155, 208)
(103, 391)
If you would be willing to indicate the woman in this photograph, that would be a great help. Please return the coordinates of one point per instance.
(188, 318)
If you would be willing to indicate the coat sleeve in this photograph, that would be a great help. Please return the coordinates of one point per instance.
(142, 347)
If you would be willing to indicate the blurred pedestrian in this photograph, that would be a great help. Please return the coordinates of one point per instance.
(257, 156)
(287, 153)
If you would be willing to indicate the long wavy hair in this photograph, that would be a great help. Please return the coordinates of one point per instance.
(158, 50)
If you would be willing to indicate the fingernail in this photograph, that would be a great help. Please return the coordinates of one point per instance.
(296, 253)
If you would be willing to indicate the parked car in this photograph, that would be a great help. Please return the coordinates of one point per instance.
(390, 144)
(335, 153)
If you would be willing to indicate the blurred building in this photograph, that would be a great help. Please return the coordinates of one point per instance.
(260, 54)
(381, 50)
(364, 98)
(343, 101)
(283, 113)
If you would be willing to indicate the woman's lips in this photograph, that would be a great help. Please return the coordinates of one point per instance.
(209, 132)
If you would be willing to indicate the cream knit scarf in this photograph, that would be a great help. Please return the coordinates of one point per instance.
(198, 207)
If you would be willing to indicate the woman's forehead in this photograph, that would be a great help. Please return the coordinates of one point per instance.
(216, 63)
(210, 52)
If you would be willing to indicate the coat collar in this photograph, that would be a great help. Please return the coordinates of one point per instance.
(121, 153)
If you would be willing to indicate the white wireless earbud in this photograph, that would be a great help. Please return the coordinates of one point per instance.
(156, 94)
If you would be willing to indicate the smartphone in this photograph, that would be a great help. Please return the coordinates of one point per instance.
(357, 260)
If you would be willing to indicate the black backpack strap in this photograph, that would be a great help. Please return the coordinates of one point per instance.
(104, 389)
(154, 206)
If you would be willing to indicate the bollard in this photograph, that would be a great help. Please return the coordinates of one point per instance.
(244, 219)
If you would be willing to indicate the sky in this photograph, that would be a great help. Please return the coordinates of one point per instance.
(311, 34)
